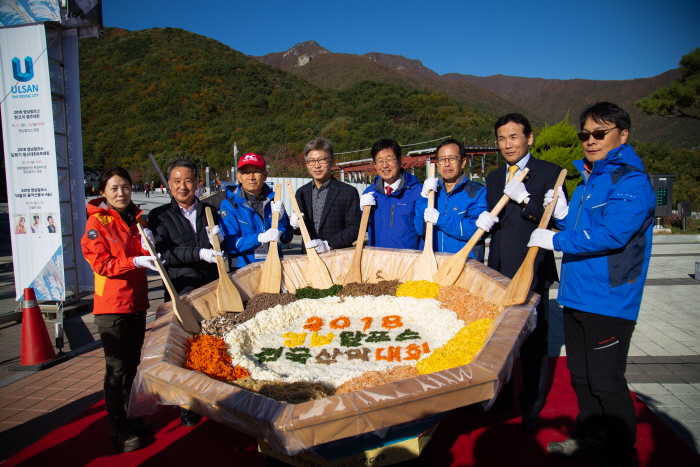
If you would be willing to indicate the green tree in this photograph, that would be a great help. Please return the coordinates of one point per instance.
(682, 98)
(560, 145)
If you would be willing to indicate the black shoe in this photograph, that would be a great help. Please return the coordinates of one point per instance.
(140, 426)
(123, 437)
(530, 421)
(572, 449)
(189, 418)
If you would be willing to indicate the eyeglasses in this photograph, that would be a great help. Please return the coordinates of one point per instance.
(387, 161)
(322, 161)
(598, 134)
(448, 160)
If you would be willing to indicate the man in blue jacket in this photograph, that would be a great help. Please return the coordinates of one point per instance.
(394, 194)
(458, 202)
(606, 239)
(246, 214)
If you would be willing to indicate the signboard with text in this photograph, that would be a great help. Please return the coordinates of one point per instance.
(30, 162)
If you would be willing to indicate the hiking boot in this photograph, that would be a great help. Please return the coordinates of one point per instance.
(123, 437)
(572, 449)
(140, 426)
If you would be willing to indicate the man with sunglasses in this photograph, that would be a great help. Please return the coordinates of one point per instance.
(330, 208)
(606, 237)
(394, 194)
(458, 202)
(508, 248)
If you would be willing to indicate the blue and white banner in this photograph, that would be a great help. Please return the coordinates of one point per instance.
(30, 162)
(16, 12)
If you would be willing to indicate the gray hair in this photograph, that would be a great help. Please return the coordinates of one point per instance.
(319, 144)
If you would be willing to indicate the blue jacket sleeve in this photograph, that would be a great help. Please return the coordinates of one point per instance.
(626, 210)
(418, 220)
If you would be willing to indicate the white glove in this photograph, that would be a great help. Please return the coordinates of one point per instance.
(216, 231)
(149, 236)
(277, 206)
(367, 200)
(542, 238)
(486, 221)
(431, 215)
(561, 209)
(208, 255)
(516, 191)
(146, 262)
(429, 184)
(270, 235)
(294, 220)
(321, 246)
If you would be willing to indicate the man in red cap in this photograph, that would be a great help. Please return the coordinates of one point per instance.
(246, 214)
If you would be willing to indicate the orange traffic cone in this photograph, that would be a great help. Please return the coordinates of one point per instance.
(36, 343)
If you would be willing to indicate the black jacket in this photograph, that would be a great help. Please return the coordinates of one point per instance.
(179, 245)
(509, 237)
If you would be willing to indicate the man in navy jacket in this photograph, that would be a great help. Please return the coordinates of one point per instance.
(508, 248)
(606, 238)
(393, 195)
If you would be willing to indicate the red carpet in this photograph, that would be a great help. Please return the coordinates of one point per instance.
(462, 439)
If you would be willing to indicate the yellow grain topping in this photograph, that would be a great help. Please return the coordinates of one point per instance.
(460, 350)
(418, 289)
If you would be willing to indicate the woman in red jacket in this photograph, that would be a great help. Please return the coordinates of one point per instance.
(113, 247)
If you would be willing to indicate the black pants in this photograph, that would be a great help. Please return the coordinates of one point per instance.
(596, 350)
(534, 363)
(122, 338)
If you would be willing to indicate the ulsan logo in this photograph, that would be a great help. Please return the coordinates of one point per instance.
(17, 70)
(27, 90)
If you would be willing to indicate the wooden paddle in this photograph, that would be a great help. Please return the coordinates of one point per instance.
(425, 266)
(355, 272)
(450, 270)
(271, 272)
(228, 299)
(182, 311)
(316, 270)
(517, 291)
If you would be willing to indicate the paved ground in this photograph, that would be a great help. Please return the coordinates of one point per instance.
(663, 366)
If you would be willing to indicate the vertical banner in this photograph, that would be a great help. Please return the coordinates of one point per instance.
(30, 162)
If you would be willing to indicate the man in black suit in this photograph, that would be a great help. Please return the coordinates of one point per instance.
(330, 208)
(509, 237)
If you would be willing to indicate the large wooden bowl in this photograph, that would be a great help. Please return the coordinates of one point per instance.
(288, 428)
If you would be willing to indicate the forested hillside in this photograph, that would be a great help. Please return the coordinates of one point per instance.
(169, 91)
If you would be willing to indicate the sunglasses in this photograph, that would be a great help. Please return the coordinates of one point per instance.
(598, 134)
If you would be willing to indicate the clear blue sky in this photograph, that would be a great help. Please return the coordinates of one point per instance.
(562, 39)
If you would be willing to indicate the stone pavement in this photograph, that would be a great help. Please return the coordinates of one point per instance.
(663, 365)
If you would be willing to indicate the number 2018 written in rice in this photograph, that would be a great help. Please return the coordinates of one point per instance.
(388, 322)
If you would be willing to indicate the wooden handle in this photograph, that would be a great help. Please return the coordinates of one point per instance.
(220, 264)
(275, 214)
(544, 222)
(302, 226)
(431, 203)
(182, 311)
